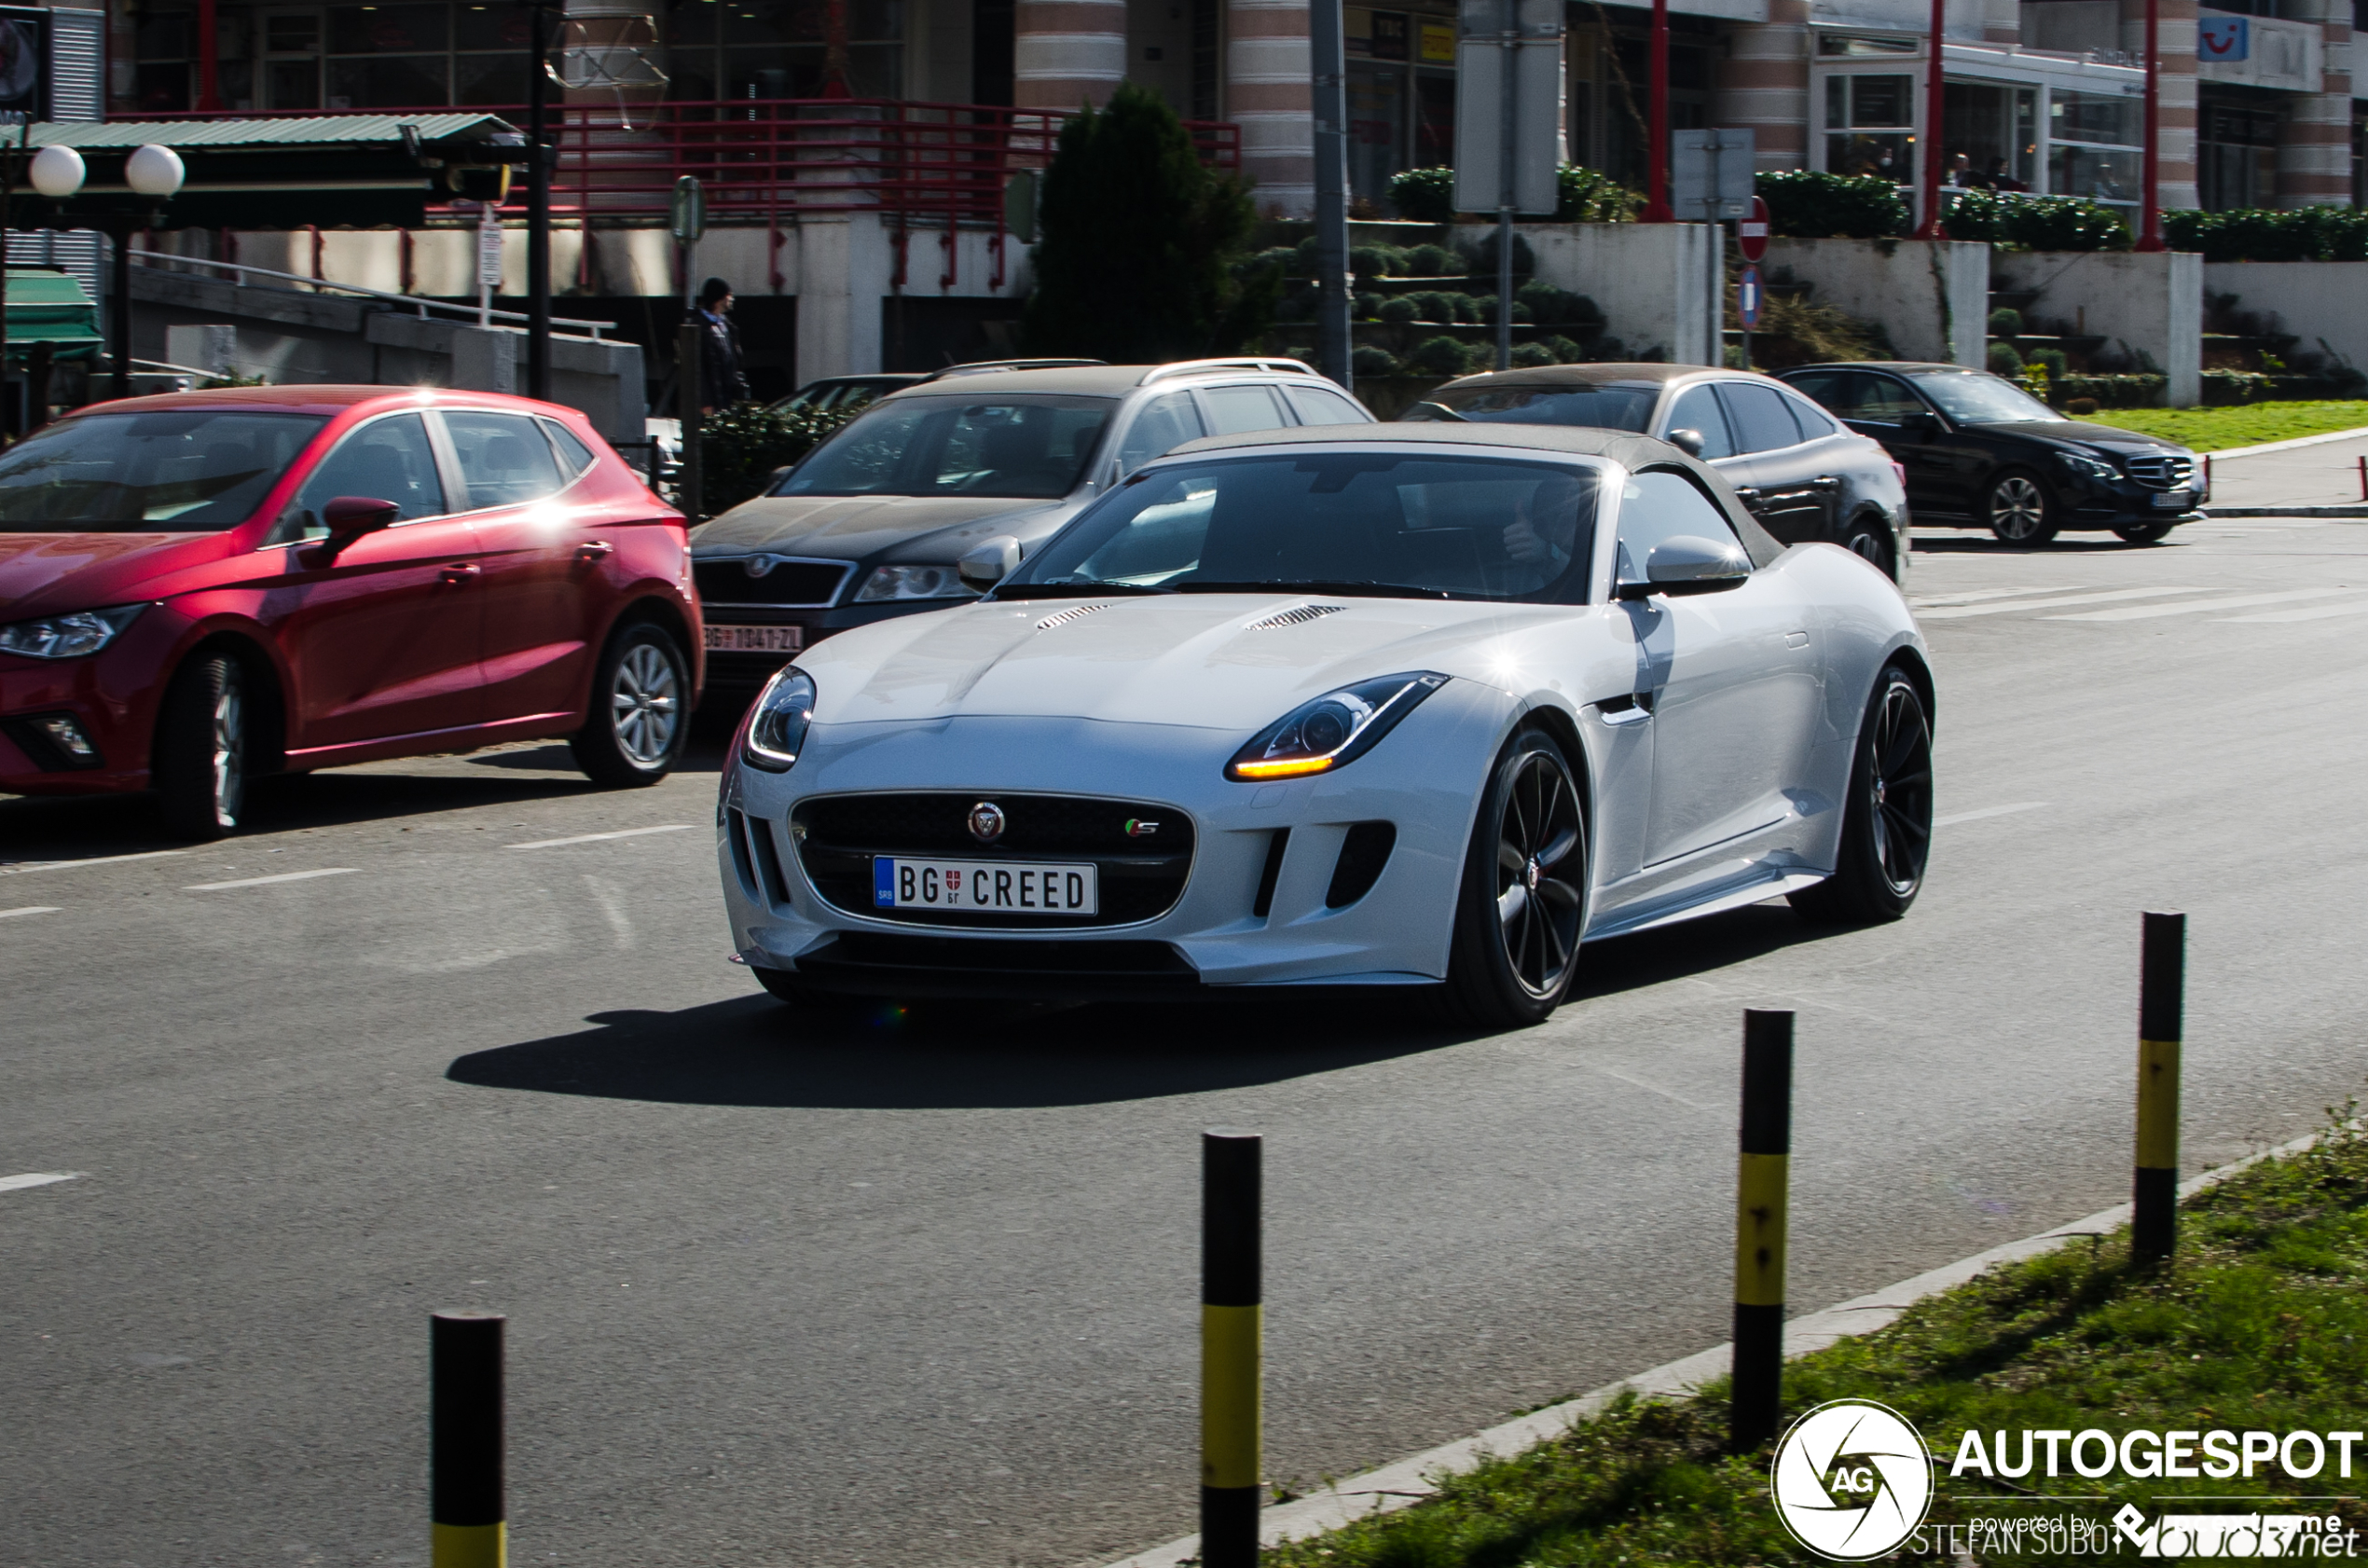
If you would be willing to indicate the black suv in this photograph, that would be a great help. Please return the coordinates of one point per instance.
(1981, 452)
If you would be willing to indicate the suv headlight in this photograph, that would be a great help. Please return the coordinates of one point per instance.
(1333, 731)
(69, 635)
(777, 725)
(926, 581)
(2086, 467)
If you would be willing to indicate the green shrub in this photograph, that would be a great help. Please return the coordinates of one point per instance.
(1589, 195)
(1374, 261)
(1546, 303)
(2255, 234)
(1483, 254)
(1371, 360)
(1366, 306)
(1437, 356)
(1563, 349)
(740, 447)
(1807, 205)
(2053, 361)
(2064, 223)
(1973, 214)
(1528, 356)
(1282, 257)
(1137, 238)
(1423, 195)
(2005, 322)
(1433, 261)
(2004, 360)
(1399, 308)
(1467, 309)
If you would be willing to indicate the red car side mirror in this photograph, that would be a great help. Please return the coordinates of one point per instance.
(351, 516)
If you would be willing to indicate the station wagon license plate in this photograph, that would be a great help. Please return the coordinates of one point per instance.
(755, 639)
(985, 887)
(2173, 500)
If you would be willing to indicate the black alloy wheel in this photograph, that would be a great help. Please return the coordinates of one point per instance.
(1887, 823)
(1523, 904)
(200, 765)
(2153, 530)
(2019, 508)
(1869, 540)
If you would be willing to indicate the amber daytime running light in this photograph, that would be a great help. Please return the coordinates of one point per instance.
(1333, 731)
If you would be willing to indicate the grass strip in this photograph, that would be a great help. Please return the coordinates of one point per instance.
(2250, 424)
(2262, 1323)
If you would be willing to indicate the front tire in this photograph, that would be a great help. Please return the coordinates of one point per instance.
(2147, 533)
(200, 765)
(1522, 907)
(1887, 824)
(639, 718)
(2020, 509)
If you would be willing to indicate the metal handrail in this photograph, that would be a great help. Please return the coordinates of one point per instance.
(424, 305)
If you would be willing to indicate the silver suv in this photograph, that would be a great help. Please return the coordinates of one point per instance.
(871, 523)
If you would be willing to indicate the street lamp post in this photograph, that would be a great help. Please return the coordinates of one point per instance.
(1656, 124)
(2150, 235)
(1935, 101)
(538, 208)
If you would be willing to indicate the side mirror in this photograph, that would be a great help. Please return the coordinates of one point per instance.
(347, 518)
(1691, 564)
(1686, 441)
(986, 564)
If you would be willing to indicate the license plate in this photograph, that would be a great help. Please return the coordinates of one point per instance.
(2173, 500)
(755, 639)
(985, 887)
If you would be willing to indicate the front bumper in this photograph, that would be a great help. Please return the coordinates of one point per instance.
(2104, 503)
(1424, 779)
(111, 696)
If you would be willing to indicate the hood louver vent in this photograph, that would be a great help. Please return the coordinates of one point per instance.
(1297, 617)
(1065, 618)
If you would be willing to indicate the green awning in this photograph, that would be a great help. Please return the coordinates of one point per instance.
(50, 308)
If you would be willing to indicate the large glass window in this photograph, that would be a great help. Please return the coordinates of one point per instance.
(2093, 146)
(1993, 128)
(1869, 124)
(752, 48)
(194, 470)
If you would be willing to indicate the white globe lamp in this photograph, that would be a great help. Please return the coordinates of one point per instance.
(154, 171)
(57, 173)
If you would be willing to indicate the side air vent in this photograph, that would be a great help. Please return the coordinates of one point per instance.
(1264, 904)
(773, 886)
(1363, 854)
(1297, 617)
(1063, 617)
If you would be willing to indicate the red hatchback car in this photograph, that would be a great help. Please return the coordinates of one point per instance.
(197, 588)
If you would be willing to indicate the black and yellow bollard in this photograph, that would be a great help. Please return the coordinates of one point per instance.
(1762, 1182)
(1231, 1348)
(2153, 1226)
(464, 1465)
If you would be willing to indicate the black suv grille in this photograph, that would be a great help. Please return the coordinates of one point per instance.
(804, 583)
(2160, 471)
(1140, 875)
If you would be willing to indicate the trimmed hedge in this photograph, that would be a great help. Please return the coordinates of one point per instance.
(2037, 223)
(1803, 205)
(2258, 234)
(1585, 196)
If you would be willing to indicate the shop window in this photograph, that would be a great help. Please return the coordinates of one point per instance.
(1995, 127)
(1869, 124)
(2236, 156)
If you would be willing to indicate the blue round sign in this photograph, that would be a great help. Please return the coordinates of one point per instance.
(1747, 296)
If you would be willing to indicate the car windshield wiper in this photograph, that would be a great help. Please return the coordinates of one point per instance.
(1361, 588)
(1071, 591)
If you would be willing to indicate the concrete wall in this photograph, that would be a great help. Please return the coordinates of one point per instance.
(2153, 305)
(1930, 298)
(2323, 303)
(1651, 280)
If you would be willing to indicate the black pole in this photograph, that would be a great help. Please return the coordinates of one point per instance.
(1231, 1335)
(2153, 1228)
(538, 212)
(465, 1503)
(122, 235)
(1762, 1183)
(1333, 334)
(690, 394)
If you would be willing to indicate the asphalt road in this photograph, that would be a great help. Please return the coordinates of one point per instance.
(919, 1290)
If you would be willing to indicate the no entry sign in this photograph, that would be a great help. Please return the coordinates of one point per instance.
(1751, 233)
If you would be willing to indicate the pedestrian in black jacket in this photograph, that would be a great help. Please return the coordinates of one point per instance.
(720, 380)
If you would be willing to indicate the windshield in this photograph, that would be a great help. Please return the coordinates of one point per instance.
(1031, 447)
(1367, 522)
(1974, 397)
(188, 471)
(1610, 408)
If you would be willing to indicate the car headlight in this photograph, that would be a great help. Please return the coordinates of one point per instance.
(777, 725)
(1333, 731)
(69, 635)
(2086, 467)
(928, 581)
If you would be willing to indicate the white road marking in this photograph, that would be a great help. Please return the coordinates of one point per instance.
(36, 1178)
(2004, 606)
(2200, 606)
(267, 881)
(2280, 617)
(29, 909)
(96, 860)
(1951, 821)
(1977, 595)
(595, 838)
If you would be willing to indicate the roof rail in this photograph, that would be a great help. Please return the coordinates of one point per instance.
(988, 366)
(1188, 366)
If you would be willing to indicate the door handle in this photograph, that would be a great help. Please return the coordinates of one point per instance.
(460, 571)
(594, 549)
(1826, 482)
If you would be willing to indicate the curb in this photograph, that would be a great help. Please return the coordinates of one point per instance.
(1410, 1480)
(2354, 509)
(2290, 446)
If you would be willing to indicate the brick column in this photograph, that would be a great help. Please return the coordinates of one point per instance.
(1068, 53)
(2177, 32)
(2314, 161)
(1763, 85)
(1269, 92)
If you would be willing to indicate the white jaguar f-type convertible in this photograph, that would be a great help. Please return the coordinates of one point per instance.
(1423, 706)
